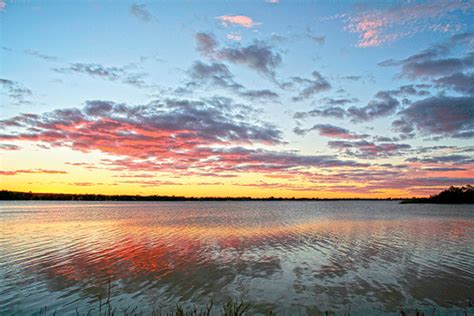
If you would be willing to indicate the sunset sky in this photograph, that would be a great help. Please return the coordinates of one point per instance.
(237, 98)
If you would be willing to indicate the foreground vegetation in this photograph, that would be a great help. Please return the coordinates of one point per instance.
(453, 195)
(239, 308)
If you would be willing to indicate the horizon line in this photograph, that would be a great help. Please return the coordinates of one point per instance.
(184, 197)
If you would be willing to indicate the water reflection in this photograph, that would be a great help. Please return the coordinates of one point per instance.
(287, 256)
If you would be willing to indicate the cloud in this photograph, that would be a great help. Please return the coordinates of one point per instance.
(339, 102)
(215, 73)
(84, 184)
(321, 40)
(218, 75)
(436, 67)
(29, 171)
(120, 74)
(234, 36)
(460, 82)
(141, 12)
(9, 147)
(442, 115)
(383, 105)
(455, 158)
(259, 94)
(435, 60)
(334, 112)
(159, 129)
(411, 90)
(444, 169)
(311, 86)
(352, 78)
(366, 149)
(174, 136)
(257, 56)
(376, 27)
(40, 55)
(150, 183)
(206, 44)
(329, 130)
(33, 53)
(259, 160)
(16, 91)
(3, 5)
(240, 20)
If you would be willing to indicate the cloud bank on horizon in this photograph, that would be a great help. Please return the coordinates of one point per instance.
(263, 98)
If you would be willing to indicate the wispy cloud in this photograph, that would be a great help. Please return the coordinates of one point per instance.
(234, 36)
(16, 91)
(110, 73)
(29, 171)
(9, 147)
(40, 55)
(330, 131)
(318, 83)
(376, 27)
(218, 75)
(141, 12)
(367, 149)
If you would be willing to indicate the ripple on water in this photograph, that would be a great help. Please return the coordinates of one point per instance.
(296, 257)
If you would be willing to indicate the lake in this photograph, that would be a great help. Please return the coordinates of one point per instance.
(292, 257)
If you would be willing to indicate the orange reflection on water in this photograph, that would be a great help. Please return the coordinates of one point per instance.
(122, 248)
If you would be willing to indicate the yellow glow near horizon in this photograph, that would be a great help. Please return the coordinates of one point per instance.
(80, 180)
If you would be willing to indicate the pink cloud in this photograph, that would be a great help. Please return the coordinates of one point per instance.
(84, 184)
(376, 27)
(15, 172)
(240, 20)
(181, 138)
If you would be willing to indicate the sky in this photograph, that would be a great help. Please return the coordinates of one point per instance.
(237, 98)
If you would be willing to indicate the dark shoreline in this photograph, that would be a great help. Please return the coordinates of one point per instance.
(26, 196)
(453, 195)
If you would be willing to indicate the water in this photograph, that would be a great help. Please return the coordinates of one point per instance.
(292, 257)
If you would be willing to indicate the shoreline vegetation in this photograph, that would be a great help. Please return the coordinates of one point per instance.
(453, 195)
(16, 195)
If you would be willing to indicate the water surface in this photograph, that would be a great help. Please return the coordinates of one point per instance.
(292, 257)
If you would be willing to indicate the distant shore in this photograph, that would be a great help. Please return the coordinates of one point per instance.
(453, 195)
(6, 195)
